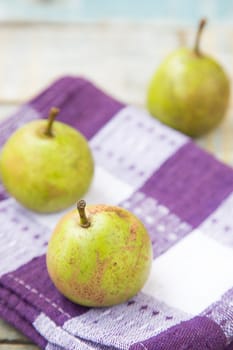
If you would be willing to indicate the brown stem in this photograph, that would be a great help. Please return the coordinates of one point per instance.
(84, 222)
(52, 115)
(201, 26)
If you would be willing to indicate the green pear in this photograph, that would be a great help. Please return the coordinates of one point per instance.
(46, 165)
(189, 91)
(100, 257)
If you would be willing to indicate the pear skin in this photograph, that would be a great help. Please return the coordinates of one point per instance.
(103, 263)
(190, 91)
(46, 173)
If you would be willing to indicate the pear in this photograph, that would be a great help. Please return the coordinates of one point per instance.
(100, 257)
(189, 91)
(46, 165)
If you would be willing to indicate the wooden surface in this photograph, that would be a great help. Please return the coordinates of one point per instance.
(119, 57)
(11, 339)
(76, 10)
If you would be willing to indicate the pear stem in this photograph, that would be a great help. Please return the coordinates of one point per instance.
(201, 26)
(84, 222)
(52, 115)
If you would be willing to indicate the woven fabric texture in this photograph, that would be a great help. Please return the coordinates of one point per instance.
(183, 195)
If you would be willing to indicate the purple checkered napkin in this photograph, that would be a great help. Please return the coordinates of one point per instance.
(183, 195)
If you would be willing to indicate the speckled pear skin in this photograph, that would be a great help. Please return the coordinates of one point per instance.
(46, 174)
(104, 264)
(189, 92)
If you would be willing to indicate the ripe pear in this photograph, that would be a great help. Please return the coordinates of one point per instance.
(189, 91)
(100, 257)
(46, 165)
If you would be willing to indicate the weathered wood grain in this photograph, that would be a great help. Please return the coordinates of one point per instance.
(18, 347)
(8, 333)
(120, 57)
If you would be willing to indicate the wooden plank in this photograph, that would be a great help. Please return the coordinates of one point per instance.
(10, 334)
(98, 51)
(85, 10)
(18, 347)
(119, 57)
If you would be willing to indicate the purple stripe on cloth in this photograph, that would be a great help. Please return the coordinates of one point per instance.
(222, 313)
(192, 184)
(56, 93)
(230, 346)
(199, 333)
(14, 302)
(82, 105)
(11, 315)
(31, 281)
(124, 324)
(3, 194)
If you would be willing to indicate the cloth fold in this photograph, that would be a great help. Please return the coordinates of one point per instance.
(181, 193)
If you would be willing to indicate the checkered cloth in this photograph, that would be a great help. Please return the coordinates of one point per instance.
(183, 195)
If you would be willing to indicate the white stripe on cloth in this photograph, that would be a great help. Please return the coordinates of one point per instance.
(125, 324)
(56, 335)
(21, 237)
(133, 145)
(192, 274)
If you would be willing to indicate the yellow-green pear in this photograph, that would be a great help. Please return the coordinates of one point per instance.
(99, 257)
(46, 165)
(189, 91)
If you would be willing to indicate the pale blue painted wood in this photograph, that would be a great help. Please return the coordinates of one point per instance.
(76, 10)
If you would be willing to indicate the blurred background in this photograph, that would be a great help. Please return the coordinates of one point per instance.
(116, 44)
(82, 10)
